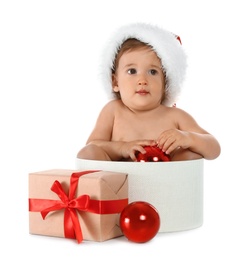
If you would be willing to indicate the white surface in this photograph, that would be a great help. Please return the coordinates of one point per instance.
(175, 189)
(50, 96)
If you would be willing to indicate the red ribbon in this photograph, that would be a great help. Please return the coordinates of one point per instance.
(72, 228)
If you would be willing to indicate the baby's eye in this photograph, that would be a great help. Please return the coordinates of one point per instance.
(153, 72)
(131, 71)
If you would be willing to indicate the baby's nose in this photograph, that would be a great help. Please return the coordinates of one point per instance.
(142, 82)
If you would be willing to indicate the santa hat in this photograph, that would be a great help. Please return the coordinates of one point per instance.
(167, 47)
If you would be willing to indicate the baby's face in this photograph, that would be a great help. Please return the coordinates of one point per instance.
(139, 79)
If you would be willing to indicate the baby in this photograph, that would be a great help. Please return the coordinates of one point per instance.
(145, 67)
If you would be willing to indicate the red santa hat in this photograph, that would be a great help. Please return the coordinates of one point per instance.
(167, 47)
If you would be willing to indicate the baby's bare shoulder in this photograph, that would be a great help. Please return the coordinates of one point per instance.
(113, 106)
(177, 111)
(182, 118)
(178, 115)
(113, 103)
(110, 109)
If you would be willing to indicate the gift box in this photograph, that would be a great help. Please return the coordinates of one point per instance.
(82, 205)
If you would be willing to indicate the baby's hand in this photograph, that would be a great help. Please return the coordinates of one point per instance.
(172, 139)
(130, 149)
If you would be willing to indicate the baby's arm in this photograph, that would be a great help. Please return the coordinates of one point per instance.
(188, 135)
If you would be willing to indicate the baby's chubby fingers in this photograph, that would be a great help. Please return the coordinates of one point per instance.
(167, 139)
(171, 148)
(135, 150)
(139, 148)
(162, 143)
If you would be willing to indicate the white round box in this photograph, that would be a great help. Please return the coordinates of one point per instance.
(175, 189)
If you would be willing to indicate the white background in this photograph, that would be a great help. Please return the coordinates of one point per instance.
(50, 95)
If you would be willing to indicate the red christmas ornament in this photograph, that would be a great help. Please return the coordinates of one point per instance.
(139, 221)
(153, 154)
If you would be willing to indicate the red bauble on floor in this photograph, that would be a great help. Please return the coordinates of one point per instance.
(139, 221)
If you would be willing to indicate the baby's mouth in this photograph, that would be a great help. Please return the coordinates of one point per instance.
(142, 92)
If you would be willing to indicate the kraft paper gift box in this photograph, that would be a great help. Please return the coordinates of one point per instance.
(100, 195)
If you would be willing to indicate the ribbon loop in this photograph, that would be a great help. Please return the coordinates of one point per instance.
(58, 189)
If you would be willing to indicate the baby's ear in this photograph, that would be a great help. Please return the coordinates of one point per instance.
(115, 83)
(116, 88)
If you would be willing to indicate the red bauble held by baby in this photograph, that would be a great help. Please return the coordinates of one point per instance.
(139, 221)
(153, 154)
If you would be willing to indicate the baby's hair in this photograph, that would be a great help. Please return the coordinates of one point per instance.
(129, 45)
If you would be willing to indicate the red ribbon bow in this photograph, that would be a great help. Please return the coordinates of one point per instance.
(71, 204)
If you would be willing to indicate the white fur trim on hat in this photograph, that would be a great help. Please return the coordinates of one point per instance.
(166, 46)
